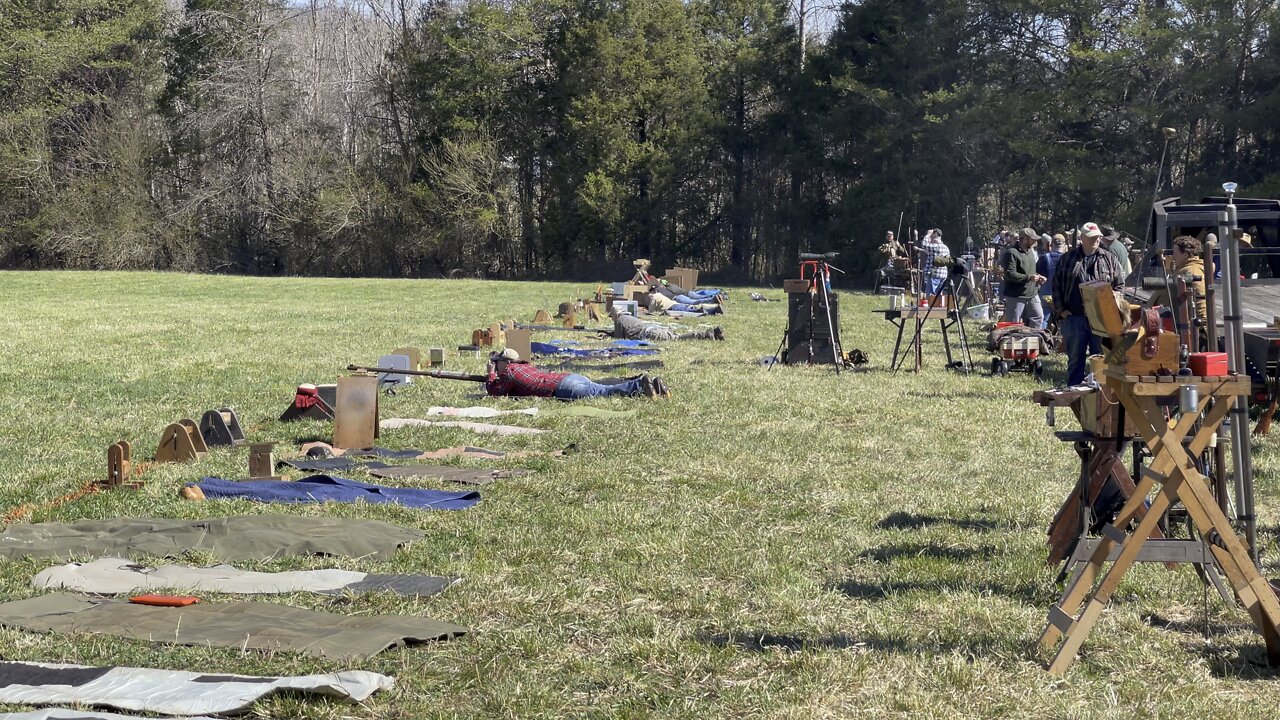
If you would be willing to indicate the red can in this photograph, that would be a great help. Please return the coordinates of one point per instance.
(1208, 364)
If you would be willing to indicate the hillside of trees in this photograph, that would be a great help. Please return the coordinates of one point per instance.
(539, 138)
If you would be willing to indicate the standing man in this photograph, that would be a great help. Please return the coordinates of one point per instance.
(1022, 282)
(932, 272)
(1082, 265)
(1111, 243)
(1045, 266)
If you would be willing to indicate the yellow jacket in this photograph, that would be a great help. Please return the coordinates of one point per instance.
(1193, 266)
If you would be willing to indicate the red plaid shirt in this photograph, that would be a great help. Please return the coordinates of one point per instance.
(523, 379)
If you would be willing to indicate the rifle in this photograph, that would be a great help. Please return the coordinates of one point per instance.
(562, 328)
(442, 374)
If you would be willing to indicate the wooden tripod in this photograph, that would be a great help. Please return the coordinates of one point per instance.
(1174, 469)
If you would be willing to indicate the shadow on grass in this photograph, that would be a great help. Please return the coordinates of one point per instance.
(765, 641)
(913, 521)
(1224, 661)
(955, 554)
(859, 590)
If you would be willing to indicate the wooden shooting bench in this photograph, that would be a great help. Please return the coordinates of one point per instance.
(1100, 445)
(1176, 417)
(1173, 445)
(947, 318)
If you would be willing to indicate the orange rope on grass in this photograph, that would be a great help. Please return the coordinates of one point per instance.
(22, 512)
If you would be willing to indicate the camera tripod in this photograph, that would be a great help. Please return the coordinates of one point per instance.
(954, 285)
(819, 278)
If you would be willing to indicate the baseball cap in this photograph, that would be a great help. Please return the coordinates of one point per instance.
(1090, 230)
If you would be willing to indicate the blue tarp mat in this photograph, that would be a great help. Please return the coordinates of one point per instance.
(322, 488)
(541, 348)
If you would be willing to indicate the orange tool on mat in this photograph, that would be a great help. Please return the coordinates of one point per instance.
(164, 600)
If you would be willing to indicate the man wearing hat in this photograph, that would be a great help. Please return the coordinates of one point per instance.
(1021, 281)
(1111, 243)
(1084, 264)
(510, 376)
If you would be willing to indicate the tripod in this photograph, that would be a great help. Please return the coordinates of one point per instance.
(954, 285)
(819, 279)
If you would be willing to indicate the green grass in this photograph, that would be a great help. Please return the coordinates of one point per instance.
(768, 543)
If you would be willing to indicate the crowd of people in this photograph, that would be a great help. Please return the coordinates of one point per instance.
(1040, 277)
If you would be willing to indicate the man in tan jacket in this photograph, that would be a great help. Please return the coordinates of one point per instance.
(1186, 261)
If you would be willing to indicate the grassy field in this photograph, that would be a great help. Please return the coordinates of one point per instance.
(767, 543)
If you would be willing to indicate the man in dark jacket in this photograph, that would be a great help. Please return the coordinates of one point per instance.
(1021, 281)
(1083, 264)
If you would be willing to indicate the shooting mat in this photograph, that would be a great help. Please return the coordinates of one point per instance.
(252, 625)
(164, 691)
(325, 488)
(247, 537)
(113, 576)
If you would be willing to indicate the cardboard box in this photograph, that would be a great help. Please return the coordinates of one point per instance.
(686, 278)
(795, 285)
(518, 339)
(1108, 314)
(632, 290)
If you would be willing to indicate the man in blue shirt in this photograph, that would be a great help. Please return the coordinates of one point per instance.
(1045, 266)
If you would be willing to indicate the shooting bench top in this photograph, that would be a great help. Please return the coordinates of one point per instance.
(933, 313)
(1060, 397)
(1165, 385)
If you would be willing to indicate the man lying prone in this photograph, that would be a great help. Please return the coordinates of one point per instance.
(629, 327)
(510, 376)
(659, 303)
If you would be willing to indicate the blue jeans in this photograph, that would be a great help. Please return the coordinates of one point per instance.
(1044, 307)
(576, 387)
(694, 299)
(698, 308)
(1081, 343)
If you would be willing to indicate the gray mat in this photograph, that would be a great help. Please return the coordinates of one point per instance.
(114, 576)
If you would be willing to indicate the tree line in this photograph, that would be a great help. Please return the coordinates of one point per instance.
(540, 138)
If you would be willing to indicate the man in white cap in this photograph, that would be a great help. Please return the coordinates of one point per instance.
(510, 376)
(1084, 264)
(1021, 281)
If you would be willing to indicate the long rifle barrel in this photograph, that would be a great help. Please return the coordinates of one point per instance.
(442, 374)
